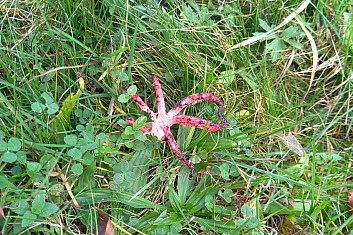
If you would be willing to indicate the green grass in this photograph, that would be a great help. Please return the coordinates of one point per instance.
(284, 165)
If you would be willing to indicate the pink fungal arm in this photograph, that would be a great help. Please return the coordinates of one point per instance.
(162, 121)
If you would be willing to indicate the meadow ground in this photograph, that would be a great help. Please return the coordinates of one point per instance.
(70, 163)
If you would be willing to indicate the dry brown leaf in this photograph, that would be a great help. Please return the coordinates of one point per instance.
(350, 200)
(292, 143)
(105, 226)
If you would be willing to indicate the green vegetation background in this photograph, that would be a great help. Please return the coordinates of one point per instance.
(283, 70)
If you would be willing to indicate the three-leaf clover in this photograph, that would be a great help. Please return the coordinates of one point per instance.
(280, 41)
(39, 208)
(51, 106)
(11, 150)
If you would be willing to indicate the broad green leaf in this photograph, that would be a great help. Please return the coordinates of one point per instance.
(37, 107)
(20, 207)
(139, 123)
(86, 180)
(174, 200)
(9, 157)
(123, 98)
(3, 145)
(87, 159)
(71, 139)
(28, 218)
(276, 45)
(227, 195)
(175, 228)
(138, 165)
(166, 218)
(22, 157)
(52, 108)
(78, 113)
(33, 166)
(96, 196)
(227, 77)
(38, 203)
(348, 30)
(129, 130)
(4, 182)
(14, 144)
(77, 169)
(86, 113)
(132, 90)
(246, 211)
(75, 153)
(292, 32)
(184, 185)
(196, 200)
(129, 145)
(48, 209)
(223, 226)
(100, 139)
(48, 97)
(293, 43)
(224, 168)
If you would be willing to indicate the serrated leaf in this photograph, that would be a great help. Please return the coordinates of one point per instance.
(38, 204)
(9, 157)
(14, 144)
(28, 218)
(20, 207)
(48, 209)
